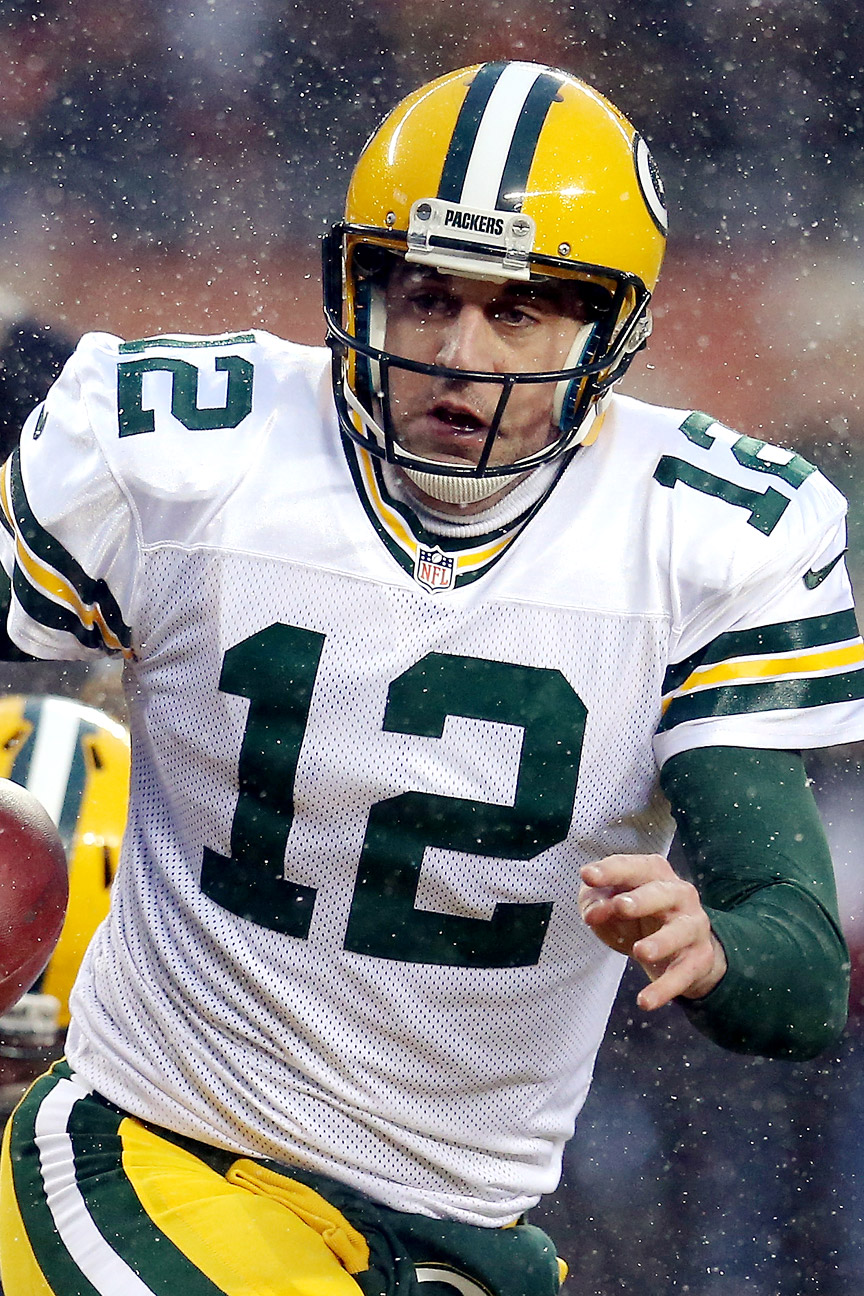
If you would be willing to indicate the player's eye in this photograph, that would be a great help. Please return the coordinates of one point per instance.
(15, 740)
(517, 313)
(429, 302)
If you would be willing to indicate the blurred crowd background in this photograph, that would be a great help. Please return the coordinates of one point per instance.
(169, 165)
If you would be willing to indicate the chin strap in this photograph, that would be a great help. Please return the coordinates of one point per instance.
(593, 420)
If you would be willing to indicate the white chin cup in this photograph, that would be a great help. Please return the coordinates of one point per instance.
(460, 490)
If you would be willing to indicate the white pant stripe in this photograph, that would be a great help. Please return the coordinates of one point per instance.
(99, 1263)
(449, 1278)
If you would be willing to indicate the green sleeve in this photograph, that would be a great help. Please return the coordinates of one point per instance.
(752, 838)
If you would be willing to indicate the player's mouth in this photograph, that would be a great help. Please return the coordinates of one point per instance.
(449, 428)
(459, 419)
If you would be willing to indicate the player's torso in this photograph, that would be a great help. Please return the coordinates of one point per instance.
(279, 636)
(271, 609)
(359, 809)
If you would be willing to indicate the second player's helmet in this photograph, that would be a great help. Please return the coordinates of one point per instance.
(502, 171)
(75, 760)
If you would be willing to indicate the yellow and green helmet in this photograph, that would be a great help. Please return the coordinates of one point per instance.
(75, 759)
(502, 171)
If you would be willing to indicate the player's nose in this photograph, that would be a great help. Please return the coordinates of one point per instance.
(469, 342)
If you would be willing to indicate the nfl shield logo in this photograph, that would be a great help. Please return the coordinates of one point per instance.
(434, 570)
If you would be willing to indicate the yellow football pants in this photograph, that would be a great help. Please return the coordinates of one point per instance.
(96, 1203)
(110, 1206)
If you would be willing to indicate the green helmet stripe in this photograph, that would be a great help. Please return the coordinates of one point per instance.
(514, 180)
(465, 131)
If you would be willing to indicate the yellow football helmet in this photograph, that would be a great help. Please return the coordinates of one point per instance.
(502, 171)
(75, 760)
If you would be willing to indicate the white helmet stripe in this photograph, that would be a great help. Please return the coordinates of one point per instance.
(650, 184)
(54, 749)
(495, 135)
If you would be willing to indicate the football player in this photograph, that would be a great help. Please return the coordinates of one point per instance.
(429, 642)
(75, 760)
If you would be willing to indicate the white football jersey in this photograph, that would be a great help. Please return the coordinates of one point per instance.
(369, 761)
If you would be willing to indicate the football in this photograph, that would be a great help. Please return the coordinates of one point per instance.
(34, 890)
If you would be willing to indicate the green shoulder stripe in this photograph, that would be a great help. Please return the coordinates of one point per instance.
(51, 615)
(209, 343)
(778, 695)
(49, 551)
(768, 640)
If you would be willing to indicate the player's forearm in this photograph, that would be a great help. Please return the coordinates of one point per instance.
(753, 840)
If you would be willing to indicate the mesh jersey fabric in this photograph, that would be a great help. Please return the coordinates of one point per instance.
(344, 933)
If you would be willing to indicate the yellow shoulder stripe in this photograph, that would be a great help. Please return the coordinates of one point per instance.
(747, 669)
(50, 583)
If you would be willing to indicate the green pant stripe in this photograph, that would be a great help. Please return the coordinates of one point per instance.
(60, 1271)
(113, 1205)
(107, 1195)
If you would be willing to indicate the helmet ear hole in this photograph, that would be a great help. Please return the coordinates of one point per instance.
(371, 261)
(597, 300)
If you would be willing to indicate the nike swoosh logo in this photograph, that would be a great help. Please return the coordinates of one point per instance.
(813, 578)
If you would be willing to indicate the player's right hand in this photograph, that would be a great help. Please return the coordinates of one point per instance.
(638, 905)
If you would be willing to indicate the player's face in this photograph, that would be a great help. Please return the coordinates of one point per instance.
(475, 325)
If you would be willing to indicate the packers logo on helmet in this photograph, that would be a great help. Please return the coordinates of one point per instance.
(75, 760)
(502, 171)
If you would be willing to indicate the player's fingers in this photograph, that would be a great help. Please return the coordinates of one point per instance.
(662, 991)
(679, 934)
(626, 871)
(595, 903)
(656, 899)
(678, 978)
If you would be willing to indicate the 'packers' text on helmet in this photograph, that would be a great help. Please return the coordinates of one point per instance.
(75, 759)
(502, 171)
